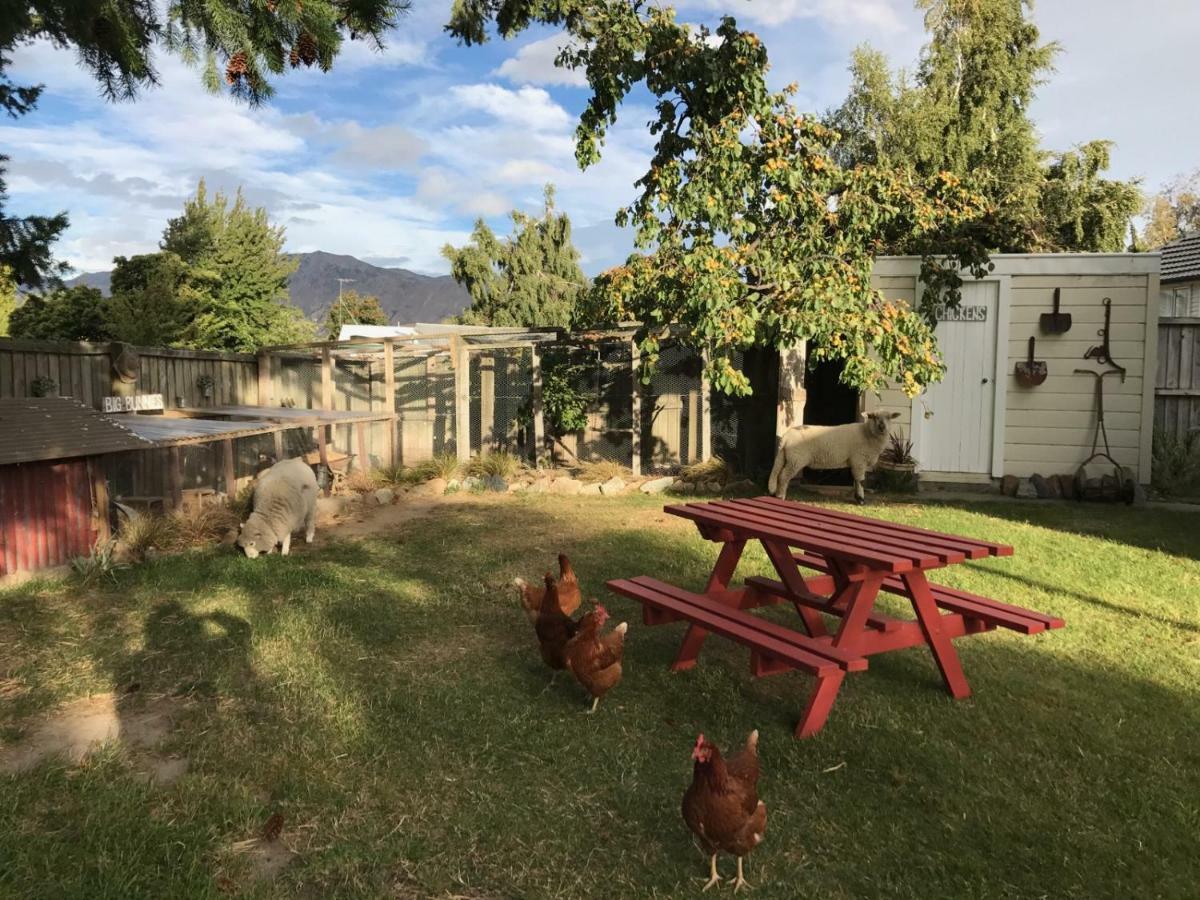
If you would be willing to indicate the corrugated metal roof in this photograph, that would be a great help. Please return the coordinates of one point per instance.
(39, 428)
(165, 431)
(1181, 260)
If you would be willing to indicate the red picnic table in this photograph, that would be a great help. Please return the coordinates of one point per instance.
(855, 557)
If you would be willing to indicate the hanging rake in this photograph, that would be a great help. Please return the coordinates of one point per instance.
(1118, 487)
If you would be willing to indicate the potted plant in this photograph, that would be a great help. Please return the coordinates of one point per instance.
(205, 384)
(896, 469)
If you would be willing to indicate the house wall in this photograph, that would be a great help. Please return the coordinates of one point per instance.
(1049, 429)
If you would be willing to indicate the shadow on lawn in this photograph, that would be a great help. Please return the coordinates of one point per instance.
(1049, 771)
(1172, 531)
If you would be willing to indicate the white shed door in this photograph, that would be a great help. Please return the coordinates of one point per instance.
(958, 412)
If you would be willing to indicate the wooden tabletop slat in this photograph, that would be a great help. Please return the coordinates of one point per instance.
(950, 540)
(876, 532)
(801, 536)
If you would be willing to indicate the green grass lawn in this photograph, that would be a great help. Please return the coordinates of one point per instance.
(388, 699)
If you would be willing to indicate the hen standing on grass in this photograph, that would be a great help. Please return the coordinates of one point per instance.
(569, 596)
(554, 628)
(595, 659)
(721, 805)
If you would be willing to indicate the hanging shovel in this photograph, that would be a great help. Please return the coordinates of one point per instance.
(1031, 373)
(1055, 322)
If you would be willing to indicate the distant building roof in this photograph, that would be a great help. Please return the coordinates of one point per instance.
(43, 428)
(373, 331)
(1181, 260)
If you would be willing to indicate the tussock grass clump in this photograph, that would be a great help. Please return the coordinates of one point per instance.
(443, 465)
(362, 481)
(712, 469)
(500, 462)
(177, 531)
(602, 470)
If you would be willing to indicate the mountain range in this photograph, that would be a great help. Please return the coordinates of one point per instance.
(405, 296)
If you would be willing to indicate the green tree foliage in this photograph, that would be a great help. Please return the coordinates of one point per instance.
(750, 231)
(237, 44)
(66, 314)
(966, 111)
(8, 298)
(353, 308)
(154, 298)
(531, 278)
(236, 260)
(1173, 212)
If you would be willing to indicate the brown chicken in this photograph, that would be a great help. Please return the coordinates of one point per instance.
(721, 805)
(569, 596)
(554, 627)
(594, 658)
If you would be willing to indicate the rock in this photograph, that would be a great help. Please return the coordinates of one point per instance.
(1009, 485)
(657, 485)
(540, 486)
(1139, 493)
(565, 486)
(383, 496)
(614, 485)
(473, 484)
(711, 487)
(744, 486)
(592, 490)
(1047, 488)
(1026, 490)
(330, 506)
(495, 483)
(435, 487)
(1066, 486)
(682, 487)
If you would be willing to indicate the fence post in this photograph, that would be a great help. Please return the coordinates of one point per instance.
(789, 410)
(461, 360)
(539, 422)
(326, 378)
(635, 400)
(705, 409)
(389, 392)
(230, 471)
(487, 401)
(264, 379)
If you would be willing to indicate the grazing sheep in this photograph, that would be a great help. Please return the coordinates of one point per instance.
(856, 446)
(285, 498)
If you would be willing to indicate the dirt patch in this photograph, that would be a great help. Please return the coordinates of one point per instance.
(266, 858)
(363, 519)
(76, 729)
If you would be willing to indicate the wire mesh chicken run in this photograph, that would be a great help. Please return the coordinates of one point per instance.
(543, 396)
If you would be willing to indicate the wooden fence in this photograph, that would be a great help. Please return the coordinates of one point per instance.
(84, 371)
(1177, 382)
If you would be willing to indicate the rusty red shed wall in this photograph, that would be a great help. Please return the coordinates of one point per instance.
(45, 514)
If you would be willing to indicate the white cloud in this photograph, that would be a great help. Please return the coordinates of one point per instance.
(879, 14)
(386, 148)
(534, 64)
(526, 107)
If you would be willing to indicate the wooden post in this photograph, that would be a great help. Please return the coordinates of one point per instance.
(99, 482)
(175, 476)
(789, 411)
(705, 411)
(230, 469)
(635, 400)
(364, 460)
(326, 378)
(278, 435)
(264, 379)
(487, 402)
(461, 360)
(539, 423)
(389, 394)
(323, 455)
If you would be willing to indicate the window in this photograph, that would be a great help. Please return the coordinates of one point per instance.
(1179, 300)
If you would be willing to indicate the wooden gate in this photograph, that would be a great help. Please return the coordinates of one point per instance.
(1177, 381)
(45, 515)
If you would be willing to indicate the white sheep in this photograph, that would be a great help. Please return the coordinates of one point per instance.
(285, 498)
(855, 446)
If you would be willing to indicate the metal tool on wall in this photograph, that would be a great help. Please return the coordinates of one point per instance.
(1055, 322)
(1103, 353)
(1032, 372)
(1115, 487)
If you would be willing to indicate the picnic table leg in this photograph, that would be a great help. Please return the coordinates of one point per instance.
(820, 702)
(793, 580)
(718, 580)
(930, 620)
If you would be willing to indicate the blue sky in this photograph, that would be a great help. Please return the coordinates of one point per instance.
(392, 155)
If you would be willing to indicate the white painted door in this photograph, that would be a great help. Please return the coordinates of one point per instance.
(956, 415)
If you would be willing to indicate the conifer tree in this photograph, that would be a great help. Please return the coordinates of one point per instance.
(353, 308)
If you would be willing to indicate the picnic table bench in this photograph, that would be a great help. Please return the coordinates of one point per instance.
(854, 558)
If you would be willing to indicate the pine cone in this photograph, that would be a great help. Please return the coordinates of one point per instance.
(273, 827)
(306, 49)
(237, 68)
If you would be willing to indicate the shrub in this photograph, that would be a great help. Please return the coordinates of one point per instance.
(183, 529)
(100, 563)
(898, 451)
(362, 481)
(1176, 464)
(444, 465)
